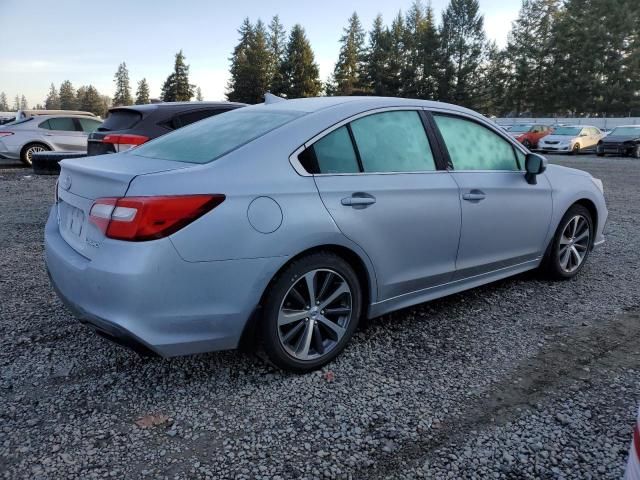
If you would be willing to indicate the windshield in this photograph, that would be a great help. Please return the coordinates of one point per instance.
(210, 139)
(569, 131)
(626, 131)
(520, 128)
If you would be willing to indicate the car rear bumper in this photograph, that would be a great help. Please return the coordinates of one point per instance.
(143, 295)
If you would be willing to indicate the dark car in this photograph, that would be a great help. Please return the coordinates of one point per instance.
(127, 127)
(623, 140)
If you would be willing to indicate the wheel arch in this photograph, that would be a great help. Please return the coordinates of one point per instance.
(34, 142)
(593, 211)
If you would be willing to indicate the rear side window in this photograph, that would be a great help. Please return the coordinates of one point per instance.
(120, 120)
(335, 154)
(188, 118)
(62, 124)
(45, 125)
(393, 142)
(472, 146)
(88, 125)
(214, 137)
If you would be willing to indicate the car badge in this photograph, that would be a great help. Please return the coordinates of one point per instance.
(66, 182)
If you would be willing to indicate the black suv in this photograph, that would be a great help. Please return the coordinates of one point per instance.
(126, 127)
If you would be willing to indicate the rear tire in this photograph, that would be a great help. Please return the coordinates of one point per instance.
(310, 313)
(28, 150)
(571, 244)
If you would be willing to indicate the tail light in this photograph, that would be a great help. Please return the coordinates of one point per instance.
(138, 219)
(122, 142)
(5, 134)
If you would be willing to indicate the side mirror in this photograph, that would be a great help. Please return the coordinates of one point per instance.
(534, 165)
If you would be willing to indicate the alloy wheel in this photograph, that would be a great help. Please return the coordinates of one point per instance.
(574, 243)
(314, 314)
(31, 150)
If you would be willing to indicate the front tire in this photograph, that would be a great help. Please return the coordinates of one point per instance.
(311, 310)
(527, 144)
(576, 149)
(571, 244)
(26, 155)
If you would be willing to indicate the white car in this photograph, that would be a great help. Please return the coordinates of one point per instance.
(571, 139)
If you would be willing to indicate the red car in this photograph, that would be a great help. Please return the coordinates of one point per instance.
(529, 134)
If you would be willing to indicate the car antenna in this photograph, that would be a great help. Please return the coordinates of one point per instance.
(271, 98)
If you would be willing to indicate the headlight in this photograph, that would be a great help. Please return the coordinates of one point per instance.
(598, 183)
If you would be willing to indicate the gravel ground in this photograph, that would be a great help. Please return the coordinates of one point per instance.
(523, 378)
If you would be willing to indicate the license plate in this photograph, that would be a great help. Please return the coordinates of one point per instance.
(71, 219)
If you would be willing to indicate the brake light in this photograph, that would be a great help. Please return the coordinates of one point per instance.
(148, 218)
(125, 141)
(5, 134)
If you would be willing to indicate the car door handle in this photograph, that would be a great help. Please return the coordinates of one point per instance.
(357, 201)
(474, 196)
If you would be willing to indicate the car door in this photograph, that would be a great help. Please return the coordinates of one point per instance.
(65, 134)
(505, 220)
(379, 179)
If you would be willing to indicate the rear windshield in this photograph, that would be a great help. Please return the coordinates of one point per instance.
(632, 131)
(520, 128)
(210, 139)
(572, 131)
(120, 120)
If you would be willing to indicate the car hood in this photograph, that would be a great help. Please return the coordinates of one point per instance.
(620, 138)
(558, 138)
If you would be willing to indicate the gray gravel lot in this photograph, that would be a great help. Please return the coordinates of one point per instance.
(523, 378)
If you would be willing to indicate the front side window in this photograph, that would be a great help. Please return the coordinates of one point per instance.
(214, 137)
(393, 142)
(472, 146)
(63, 124)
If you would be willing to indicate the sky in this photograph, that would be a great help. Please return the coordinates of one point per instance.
(45, 41)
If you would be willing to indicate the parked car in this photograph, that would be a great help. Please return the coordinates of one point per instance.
(529, 134)
(623, 140)
(127, 127)
(295, 219)
(60, 133)
(7, 117)
(571, 139)
(23, 114)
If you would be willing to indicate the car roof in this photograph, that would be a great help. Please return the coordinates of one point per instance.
(44, 117)
(149, 107)
(627, 126)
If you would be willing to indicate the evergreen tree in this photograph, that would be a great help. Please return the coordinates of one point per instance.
(123, 87)
(396, 59)
(349, 73)
(377, 58)
(529, 56)
(16, 103)
(142, 94)
(23, 103)
(463, 40)
(412, 69)
(176, 87)
(299, 69)
(67, 96)
(240, 83)
(106, 104)
(4, 104)
(495, 78)
(428, 48)
(277, 45)
(199, 96)
(89, 100)
(52, 101)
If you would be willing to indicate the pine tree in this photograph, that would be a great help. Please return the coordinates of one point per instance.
(176, 87)
(377, 58)
(396, 60)
(349, 72)
(259, 64)
(4, 104)
(142, 94)
(123, 87)
(67, 96)
(23, 103)
(16, 103)
(299, 70)
(277, 45)
(89, 100)
(411, 73)
(495, 77)
(428, 48)
(240, 82)
(199, 96)
(52, 101)
(463, 40)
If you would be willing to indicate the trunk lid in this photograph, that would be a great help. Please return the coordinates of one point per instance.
(85, 179)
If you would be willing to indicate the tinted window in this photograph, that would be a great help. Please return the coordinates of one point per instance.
(393, 142)
(88, 125)
(212, 138)
(334, 153)
(188, 118)
(45, 125)
(120, 120)
(62, 123)
(474, 147)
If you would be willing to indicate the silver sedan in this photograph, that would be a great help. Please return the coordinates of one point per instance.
(290, 222)
(61, 133)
